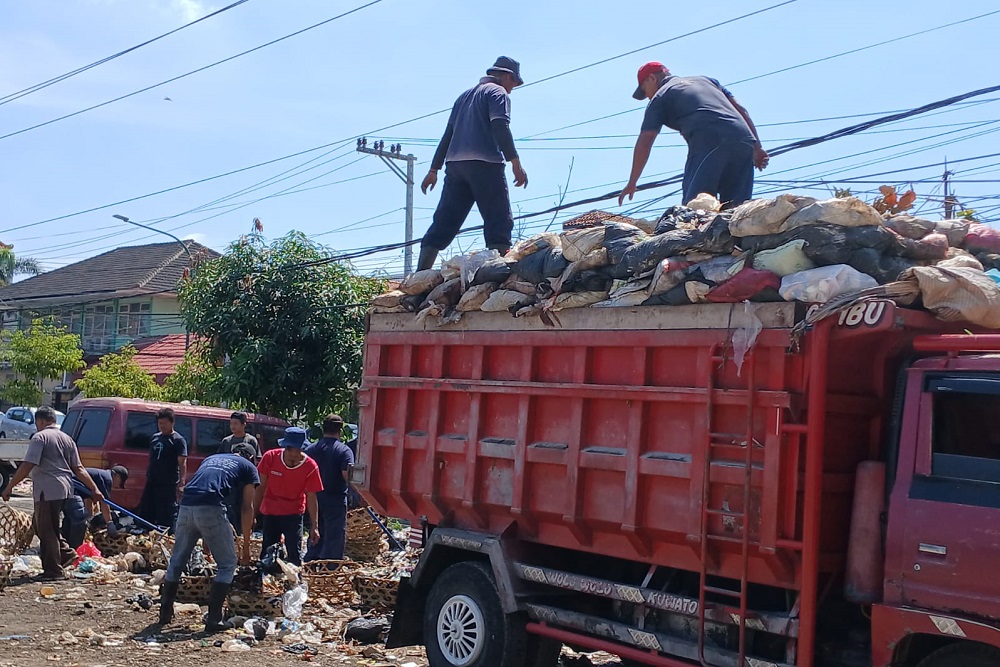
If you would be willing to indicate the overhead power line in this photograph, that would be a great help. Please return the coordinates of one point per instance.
(187, 74)
(80, 70)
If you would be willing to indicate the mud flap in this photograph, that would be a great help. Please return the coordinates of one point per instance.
(408, 618)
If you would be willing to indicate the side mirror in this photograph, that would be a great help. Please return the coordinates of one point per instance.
(29, 420)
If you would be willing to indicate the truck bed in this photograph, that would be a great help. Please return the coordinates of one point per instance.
(625, 431)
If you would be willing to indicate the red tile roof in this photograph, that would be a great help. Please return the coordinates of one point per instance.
(160, 355)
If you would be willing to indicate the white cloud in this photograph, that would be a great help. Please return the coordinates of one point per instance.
(196, 237)
(189, 9)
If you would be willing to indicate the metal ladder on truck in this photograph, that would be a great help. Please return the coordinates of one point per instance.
(710, 539)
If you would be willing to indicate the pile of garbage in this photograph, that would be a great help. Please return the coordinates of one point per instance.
(790, 248)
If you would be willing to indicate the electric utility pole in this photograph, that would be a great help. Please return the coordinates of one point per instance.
(396, 153)
(949, 199)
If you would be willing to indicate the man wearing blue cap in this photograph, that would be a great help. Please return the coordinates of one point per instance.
(475, 144)
(289, 481)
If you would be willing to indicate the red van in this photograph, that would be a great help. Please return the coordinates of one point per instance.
(116, 431)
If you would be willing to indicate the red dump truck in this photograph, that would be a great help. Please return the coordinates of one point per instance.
(613, 480)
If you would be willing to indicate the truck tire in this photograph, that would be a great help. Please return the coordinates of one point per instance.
(963, 655)
(5, 475)
(464, 624)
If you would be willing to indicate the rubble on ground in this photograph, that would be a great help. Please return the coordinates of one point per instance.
(789, 248)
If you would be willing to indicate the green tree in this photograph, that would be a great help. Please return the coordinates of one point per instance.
(119, 374)
(284, 324)
(194, 379)
(43, 352)
(12, 265)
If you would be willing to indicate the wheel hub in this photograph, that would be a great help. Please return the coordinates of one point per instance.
(461, 630)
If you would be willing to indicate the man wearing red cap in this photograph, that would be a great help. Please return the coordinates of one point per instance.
(723, 146)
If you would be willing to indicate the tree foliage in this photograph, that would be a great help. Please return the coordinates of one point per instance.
(284, 326)
(12, 265)
(194, 379)
(119, 374)
(43, 352)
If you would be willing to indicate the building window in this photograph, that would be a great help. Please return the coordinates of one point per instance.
(98, 328)
(133, 319)
(71, 318)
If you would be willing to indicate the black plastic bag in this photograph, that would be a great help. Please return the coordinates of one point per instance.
(539, 266)
(829, 244)
(619, 237)
(714, 239)
(493, 271)
(588, 281)
(883, 268)
(682, 217)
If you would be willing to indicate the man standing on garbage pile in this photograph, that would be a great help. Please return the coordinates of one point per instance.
(723, 146)
(289, 481)
(202, 515)
(475, 144)
(52, 461)
(167, 472)
(79, 508)
(335, 460)
(238, 426)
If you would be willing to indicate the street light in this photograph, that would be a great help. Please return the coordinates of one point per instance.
(158, 231)
(187, 334)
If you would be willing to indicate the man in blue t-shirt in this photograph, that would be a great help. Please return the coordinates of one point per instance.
(79, 508)
(475, 144)
(723, 146)
(334, 459)
(202, 515)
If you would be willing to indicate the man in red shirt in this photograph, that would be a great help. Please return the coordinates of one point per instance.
(289, 481)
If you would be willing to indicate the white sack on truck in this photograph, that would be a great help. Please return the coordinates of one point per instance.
(846, 212)
(421, 282)
(475, 297)
(759, 217)
(958, 294)
(822, 284)
(504, 300)
(578, 243)
(705, 202)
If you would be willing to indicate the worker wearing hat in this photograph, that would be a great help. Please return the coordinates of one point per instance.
(289, 482)
(723, 146)
(80, 508)
(475, 146)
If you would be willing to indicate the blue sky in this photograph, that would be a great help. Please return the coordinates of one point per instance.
(400, 59)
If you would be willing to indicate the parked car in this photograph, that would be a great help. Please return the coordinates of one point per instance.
(116, 431)
(19, 423)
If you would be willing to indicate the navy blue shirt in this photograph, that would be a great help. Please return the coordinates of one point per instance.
(164, 464)
(216, 478)
(102, 479)
(333, 457)
(470, 119)
(699, 108)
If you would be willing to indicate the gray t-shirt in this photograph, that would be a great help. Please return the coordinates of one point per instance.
(55, 456)
(699, 108)
(227, 444)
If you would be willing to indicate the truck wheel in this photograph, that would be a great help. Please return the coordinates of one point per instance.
(963, 655)
(5, 475)
(464, 624)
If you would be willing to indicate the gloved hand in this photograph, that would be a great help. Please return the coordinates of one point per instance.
(112, 529)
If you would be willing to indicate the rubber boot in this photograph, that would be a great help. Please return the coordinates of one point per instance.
(216, 598)
(168, 594)
(427, 258)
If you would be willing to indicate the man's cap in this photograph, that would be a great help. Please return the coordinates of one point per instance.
(122, 472)
(644, 71)
(295, 438)
(245, 450)
(508, 66)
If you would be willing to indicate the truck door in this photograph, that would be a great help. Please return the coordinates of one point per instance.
(951, 536)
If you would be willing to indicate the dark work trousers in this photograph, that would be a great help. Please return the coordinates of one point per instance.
(288, 526)
(74, 522)
(468, 182)
(52, 547)
(724, 170)
(332, 529)
(159, 505)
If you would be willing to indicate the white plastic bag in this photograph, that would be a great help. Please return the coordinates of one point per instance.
(705, 202)
(745, 336)
(824, 283)
(293, 601)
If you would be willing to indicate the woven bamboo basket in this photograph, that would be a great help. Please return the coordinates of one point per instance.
(366, 551)
(111, 546)
(194, 590)
(255, 547)
(243, 603)
(149, 548)
(376, 592)
(330, 579)
(16, 531)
